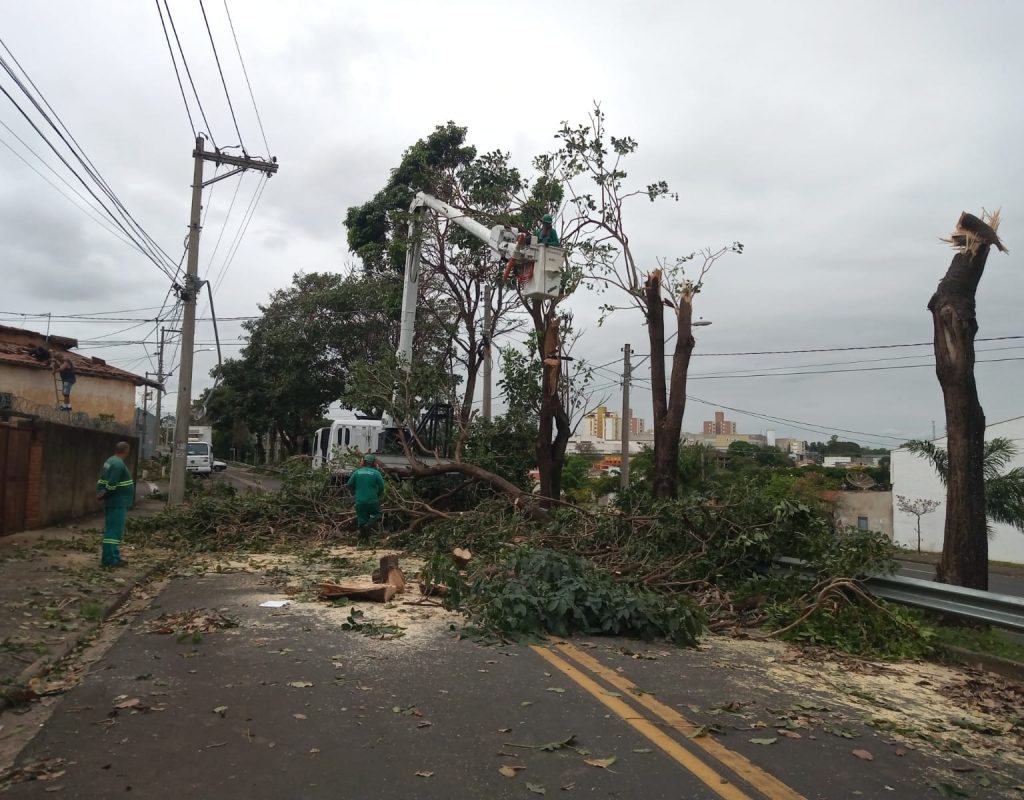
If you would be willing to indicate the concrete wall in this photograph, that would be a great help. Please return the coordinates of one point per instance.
(91, 395)
(65, 464)
(915, 478)
(876, 506)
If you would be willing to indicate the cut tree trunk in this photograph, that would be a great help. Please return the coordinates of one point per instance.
(964, 559)
(376, 592)
(668, 391)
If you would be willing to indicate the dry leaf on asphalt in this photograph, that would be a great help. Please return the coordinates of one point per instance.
(299, 716)
(222, 710)
(133, 702)
(509, 772)
(772, 740)
(536, 788)
(300, 684)
(425, 773)
(863, 755)
(603, 763)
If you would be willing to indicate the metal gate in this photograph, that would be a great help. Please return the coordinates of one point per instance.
(15, 450)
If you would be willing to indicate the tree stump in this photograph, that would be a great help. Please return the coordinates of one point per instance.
(965, 545)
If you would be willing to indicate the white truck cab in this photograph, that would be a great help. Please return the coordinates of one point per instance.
(199, 458)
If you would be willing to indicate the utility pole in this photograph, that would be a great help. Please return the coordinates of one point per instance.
(188, 296)
(487, 353)
(624, 422)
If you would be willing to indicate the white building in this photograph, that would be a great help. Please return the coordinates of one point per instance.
(914, 478)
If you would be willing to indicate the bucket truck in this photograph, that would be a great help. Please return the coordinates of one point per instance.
(538, 272)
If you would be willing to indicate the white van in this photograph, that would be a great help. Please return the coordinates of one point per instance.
(199, 458)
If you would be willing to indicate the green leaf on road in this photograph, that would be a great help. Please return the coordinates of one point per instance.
(547, 747)
(222, 710)
(772, 740)
(555, 689)
(536, 788)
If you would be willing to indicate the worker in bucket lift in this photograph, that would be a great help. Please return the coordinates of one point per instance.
(368, 487)
(546, 233)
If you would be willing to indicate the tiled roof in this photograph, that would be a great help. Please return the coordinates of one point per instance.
(18, 355)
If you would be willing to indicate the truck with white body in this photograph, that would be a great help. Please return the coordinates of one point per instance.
(199, 450)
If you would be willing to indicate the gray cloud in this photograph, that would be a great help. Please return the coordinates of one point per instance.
(838, 142)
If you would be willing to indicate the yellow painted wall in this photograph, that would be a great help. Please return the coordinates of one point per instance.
(90, 395)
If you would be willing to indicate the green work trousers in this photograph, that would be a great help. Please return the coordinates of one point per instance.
(113, 532)
(367, 513)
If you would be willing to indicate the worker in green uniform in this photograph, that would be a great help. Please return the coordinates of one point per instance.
(368, 486)
(117, 491)
(546, 233)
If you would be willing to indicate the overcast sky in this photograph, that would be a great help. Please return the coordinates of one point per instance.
(837, 141)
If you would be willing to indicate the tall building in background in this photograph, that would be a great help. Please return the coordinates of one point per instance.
(719, 426)
(636, 424)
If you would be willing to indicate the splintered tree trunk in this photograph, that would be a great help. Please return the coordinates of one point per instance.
(965, 547)
(668, 392)
(552, 434)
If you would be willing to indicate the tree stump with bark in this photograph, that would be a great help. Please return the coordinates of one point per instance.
(965, 547)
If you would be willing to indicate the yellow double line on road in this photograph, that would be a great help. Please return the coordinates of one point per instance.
(716, 755)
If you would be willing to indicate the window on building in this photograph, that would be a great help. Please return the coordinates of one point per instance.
(862, 523)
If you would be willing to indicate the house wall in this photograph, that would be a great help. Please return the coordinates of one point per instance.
(91, 395)
(915, 478)
(876, 506)
(64, 465)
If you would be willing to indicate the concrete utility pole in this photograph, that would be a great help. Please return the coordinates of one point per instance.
(487, 353)
(188, 297)
(624, 422)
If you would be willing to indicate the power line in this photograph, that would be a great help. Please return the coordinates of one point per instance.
(803, 425)
(188, 72)
(241, 233)
(224, 83)
(245, 72)
(174, 63)
(837, 349)
(147, 243)
(833, 371)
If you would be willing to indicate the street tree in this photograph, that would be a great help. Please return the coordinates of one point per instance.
(589, 162)
(965, 546)
(458, 274)
(300, 350)
(918, 506)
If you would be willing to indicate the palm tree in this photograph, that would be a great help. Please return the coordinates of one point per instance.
(1004, 491)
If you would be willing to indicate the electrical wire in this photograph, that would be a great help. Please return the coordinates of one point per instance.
(224, 83)
(245, 72)
(242, 231)
(139, 233)
(97, 219)
(77, 151)
(174, 63)
(188, 72)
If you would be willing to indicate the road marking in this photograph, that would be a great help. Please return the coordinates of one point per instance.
(713, 780)
(764, 782)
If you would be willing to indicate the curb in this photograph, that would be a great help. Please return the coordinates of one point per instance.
(1013, 670)
(18, 690)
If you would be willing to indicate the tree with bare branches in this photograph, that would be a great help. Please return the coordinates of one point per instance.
(589, 163)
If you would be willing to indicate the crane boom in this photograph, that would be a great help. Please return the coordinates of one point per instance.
(540, 265)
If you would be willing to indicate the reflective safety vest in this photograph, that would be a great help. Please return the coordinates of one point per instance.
(116, 484)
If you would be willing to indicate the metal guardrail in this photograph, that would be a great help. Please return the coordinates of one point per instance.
(1001, 610)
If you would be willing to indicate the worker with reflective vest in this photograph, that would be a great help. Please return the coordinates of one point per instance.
(546, 233)
(368, 487)
(117, 491)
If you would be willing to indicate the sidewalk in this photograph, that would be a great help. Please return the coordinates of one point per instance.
(53, 593)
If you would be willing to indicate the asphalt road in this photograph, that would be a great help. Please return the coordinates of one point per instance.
(1002, 584)
(247, 480)
(289, 705)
